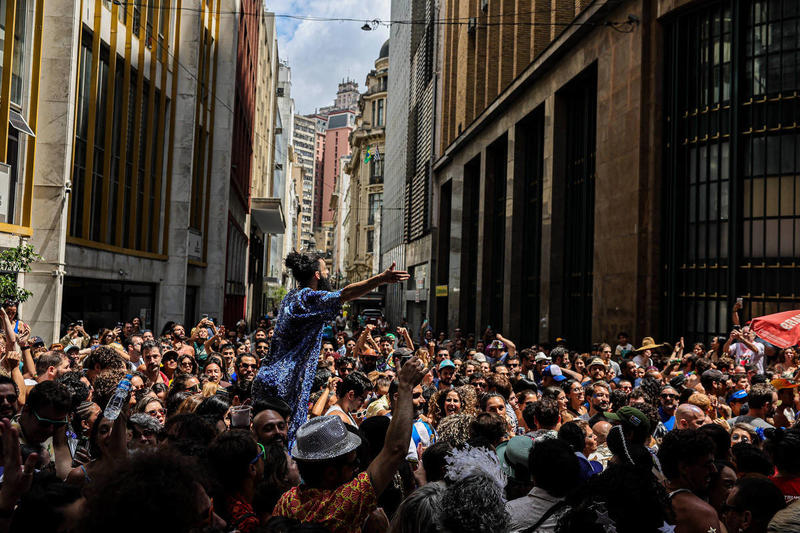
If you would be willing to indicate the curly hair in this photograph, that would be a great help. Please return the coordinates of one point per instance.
(455, 429)
(469, 399)
(303, 266)
(105, 384)
(474, 504)
(436, 405)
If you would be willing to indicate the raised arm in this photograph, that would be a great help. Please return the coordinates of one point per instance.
(360, 288)
(512, 348)
(381, 470)
(406, 338)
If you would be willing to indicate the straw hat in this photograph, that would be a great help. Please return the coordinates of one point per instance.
(648, 344)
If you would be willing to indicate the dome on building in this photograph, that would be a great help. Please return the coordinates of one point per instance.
(384, 50)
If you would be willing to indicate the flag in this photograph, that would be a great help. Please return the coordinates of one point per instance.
(368, 157)
(780, 329)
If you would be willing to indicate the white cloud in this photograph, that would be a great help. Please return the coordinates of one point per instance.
(321, 54)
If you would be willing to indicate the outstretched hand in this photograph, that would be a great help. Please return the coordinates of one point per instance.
(390, 275)
(17, 476)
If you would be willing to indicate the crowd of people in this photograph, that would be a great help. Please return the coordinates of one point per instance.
(401, 432)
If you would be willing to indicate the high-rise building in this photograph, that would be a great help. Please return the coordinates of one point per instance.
(616, 166)
(304, 141)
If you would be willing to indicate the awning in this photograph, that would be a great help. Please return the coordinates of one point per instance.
(268, 215)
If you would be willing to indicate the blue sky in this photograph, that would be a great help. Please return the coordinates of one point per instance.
(321, 54)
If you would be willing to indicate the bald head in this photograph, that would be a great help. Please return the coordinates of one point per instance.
(601, 429)
(688, 416)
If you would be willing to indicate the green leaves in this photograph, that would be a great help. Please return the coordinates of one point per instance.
(12, 262)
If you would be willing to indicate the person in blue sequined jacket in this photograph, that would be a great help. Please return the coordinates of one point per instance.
(288, 371)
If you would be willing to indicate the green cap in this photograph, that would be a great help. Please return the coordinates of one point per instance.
(513, 455)
(630, 418)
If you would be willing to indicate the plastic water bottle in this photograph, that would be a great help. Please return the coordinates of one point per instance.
(120, 398)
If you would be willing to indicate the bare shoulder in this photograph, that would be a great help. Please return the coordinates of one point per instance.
(694, 515)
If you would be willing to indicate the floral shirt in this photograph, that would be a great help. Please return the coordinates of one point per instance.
(342, 510)
(240, 515)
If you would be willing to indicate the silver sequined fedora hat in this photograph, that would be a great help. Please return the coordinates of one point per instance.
(322, 438)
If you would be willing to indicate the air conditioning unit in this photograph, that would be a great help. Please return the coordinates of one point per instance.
(472, 25)
(485, 6)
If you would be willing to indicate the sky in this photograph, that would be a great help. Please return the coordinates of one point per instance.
(321, 54)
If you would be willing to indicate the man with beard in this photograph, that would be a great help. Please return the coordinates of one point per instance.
(288, 371)
(246, 367)
(9, 398)
(599, 394)
(270, 421)
(669, 403)
(151, 353)
(422, 434)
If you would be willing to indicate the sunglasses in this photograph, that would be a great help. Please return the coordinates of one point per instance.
(262, 454)
(245, 365)
(416, 395)
(47, 421)
(154, 412)
(10, 398)
(479, 384)
(673, 396)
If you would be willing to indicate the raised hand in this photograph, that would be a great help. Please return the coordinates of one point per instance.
(17, 477)
(390, 275)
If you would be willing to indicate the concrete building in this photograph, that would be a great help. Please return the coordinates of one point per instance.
(367, 145)
(407, 239)
(346, 98)
(320, 125)
(613, 172)
(138, 100)
(238, 277)
(282, 184)
(263, 221)
(341, 212)
(304, 139)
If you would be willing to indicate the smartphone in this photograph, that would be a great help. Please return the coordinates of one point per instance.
(120, 325)
(204, 315)
(739, 301)
(79, 322)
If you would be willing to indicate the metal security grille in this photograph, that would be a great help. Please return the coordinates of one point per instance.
(731, 165)
(581, 110)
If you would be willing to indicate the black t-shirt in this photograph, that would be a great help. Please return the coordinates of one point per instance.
(599, 417)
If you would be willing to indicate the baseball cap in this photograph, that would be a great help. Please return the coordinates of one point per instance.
(479, 357)
(678, 382)
(554, 371)
(738, 395)
(541, 357)
(447, 363)
(390, 336)
(513, 455)
(712, 373)
(783, 383)
(71, 348)
(597, 361)
(631, 418)
(37, 341)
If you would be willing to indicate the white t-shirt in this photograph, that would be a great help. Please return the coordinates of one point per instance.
(642, 361)
(745, 356)
(620, 348)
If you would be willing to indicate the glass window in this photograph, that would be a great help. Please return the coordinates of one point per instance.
(375, 200)
(81, 131)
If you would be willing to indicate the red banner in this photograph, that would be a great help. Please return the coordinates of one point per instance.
(780, 329)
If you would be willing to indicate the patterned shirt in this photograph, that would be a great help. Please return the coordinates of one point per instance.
(288, 371)
(342, 510)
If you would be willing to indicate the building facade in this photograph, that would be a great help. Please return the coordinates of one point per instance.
(609, 172)
(410, 151)
(337, 145)
(263, 220)
(365, 170)
(304, 138)
(142, 105)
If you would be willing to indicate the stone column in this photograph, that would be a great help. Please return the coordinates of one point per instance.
(54, 140)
